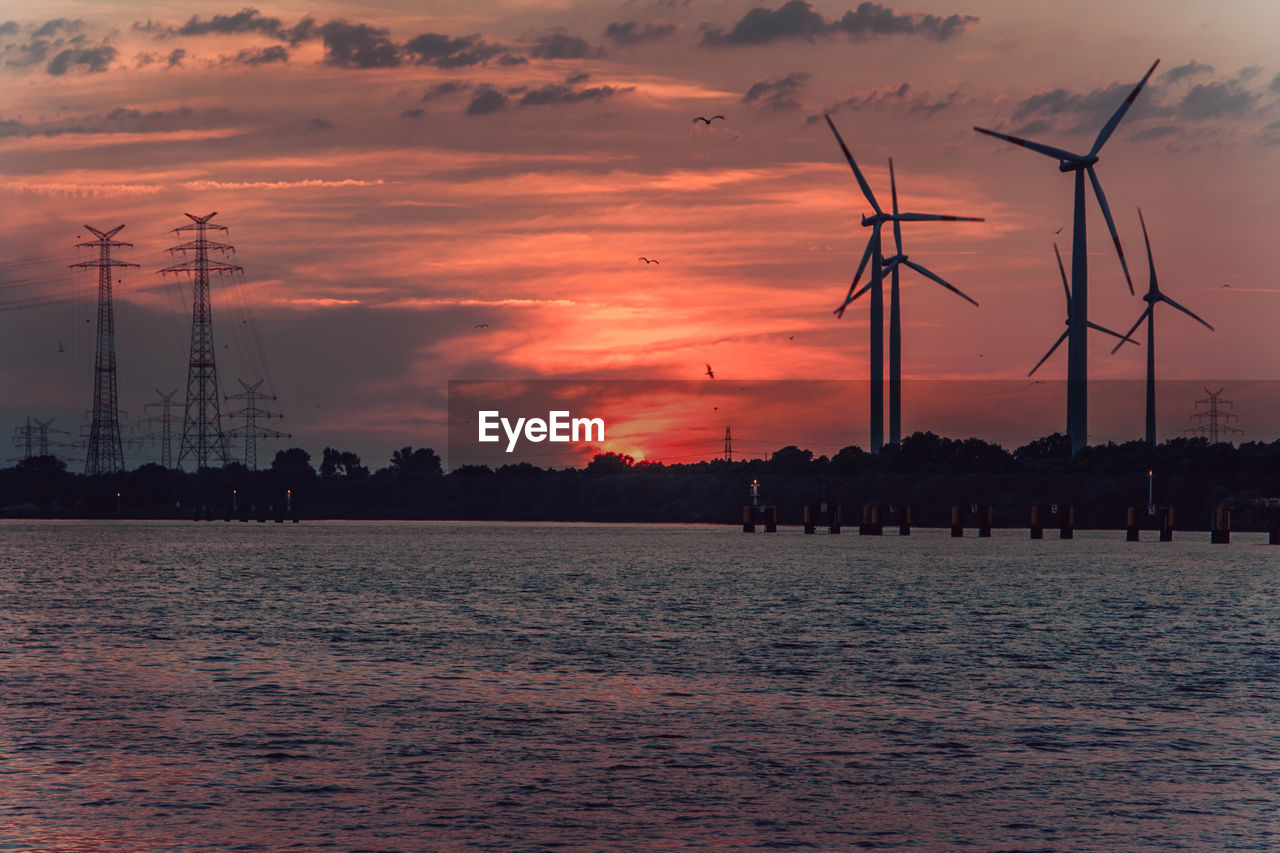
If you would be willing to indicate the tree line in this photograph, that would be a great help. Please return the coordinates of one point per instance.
(926, 472)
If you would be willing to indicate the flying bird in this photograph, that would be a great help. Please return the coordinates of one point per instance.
(651, 261)
(482, 325)
(710, 373)
(1059, 231)
(705, 120)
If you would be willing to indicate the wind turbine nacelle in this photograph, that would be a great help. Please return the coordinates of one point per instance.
(868, 221)
(1076, 165)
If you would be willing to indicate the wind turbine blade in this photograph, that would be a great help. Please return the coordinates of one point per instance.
(893, 262)
(1123, 339)
(1111, 224)
(1052, 349)
(862, 265)
(1127, 334)
(1066, 287)
(897, 227)
(1153, 286)
(1047, 150)
(934, 217)
(927, 274)
(1110, 126)
(1184, 310)
(852, 298)
(857, 173)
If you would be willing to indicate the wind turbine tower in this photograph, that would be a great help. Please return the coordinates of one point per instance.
(1151, 297)
(106, 453)
(1082, 164)
(202, 437)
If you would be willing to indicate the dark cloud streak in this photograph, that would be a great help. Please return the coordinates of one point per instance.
(92, 60)
(628, 33)
(348, 45)
(444, 51)
(487, 100)
(562, 46)
(1180, 72)
(778, 93)
(557, 93)
(797, 19)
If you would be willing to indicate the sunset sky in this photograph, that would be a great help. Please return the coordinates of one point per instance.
(430, 191)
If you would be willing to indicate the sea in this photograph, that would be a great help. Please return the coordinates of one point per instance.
(422, 686)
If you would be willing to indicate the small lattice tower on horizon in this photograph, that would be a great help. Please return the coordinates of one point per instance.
(165, 421)
(251, 431)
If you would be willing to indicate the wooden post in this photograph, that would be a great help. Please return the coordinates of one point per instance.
(1166, 524)
(808, 518)
(1221, 532)
(1131, 525)
(771, 519)
(957, 529)
(870, 525)
(904, 522)
(748, 520)
(1037, 525)
(985, 514)
(1068, 528)
(834, 526)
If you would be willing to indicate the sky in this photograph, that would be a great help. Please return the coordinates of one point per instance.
(420, 192)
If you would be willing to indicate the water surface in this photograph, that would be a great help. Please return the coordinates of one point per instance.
(428, 686)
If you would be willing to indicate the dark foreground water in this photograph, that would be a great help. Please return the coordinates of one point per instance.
(359, 686)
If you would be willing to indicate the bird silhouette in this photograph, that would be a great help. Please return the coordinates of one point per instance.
(710, 373)
(1059, 231)
(482, 325)
(651, 261)
(705, 120)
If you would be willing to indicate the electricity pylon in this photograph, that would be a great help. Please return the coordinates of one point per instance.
(165, 421)
(251, 431)
(202, 436)
(106, 453)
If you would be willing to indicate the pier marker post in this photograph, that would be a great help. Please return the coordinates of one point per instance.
(1131, 525)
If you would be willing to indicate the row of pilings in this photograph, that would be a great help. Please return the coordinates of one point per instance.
(872, 521)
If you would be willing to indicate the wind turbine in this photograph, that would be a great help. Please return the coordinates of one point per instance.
(1151, 297)
(895, 313)
(1077, 352)
(1067, 289)
(873, 253)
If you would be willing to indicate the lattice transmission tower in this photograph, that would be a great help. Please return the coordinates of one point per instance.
(164, 421)
(251, 431)
(106, 452)
(728, 445)
(1214, 418)
(202, 436)
(33, 437)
